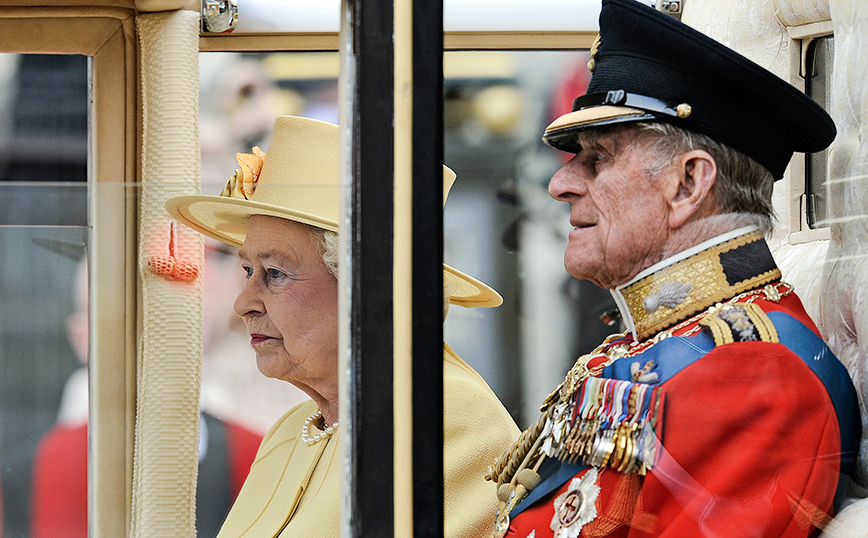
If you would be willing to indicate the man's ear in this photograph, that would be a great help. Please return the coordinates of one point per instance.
(697, 172)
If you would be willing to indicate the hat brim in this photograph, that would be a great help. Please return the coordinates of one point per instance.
(560, 134)
(469, 292)
(225, 219)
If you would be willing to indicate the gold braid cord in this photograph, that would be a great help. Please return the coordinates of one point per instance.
(505, 468)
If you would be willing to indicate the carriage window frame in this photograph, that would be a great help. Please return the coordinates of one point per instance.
(819, 62)
(452, 41)
(106, 36)
(801, 225)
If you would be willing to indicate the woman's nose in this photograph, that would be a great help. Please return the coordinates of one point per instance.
(247, 301)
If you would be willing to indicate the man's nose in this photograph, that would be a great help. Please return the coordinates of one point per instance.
(567, 181)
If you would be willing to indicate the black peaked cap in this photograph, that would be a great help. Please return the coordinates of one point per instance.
(649, 66)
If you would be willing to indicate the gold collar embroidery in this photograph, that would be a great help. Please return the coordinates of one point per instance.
(678, 287)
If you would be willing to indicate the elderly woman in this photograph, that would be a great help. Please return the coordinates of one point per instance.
(285, 220)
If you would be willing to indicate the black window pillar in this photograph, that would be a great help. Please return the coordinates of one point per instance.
(368, 124)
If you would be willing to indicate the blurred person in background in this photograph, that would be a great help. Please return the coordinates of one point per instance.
(227, 445)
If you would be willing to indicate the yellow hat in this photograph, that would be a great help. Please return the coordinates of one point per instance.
(297, 181)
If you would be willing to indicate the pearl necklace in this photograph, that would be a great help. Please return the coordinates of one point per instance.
(305, 429)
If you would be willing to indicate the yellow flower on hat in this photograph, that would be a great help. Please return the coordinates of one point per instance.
(243, 182)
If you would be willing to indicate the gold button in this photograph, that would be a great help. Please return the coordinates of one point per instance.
(684, 110)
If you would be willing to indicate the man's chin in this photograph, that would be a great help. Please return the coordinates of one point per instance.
(583, 272)
(578, 271)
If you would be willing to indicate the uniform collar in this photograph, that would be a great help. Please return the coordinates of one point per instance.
(694, 279)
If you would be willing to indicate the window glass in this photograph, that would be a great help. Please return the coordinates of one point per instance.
(240, 94)
(500, 224)
(44, 233)
(239, 98)
(819, 86)
(43, 322)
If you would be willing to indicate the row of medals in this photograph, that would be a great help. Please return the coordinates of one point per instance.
(608, 424)
(581, 424)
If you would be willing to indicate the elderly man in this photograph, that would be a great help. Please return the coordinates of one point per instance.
(720, 411)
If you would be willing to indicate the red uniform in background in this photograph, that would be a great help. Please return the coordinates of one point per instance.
(59, 507)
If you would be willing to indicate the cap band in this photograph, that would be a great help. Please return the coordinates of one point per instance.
(625, 99)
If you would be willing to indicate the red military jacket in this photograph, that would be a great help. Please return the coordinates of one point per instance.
(748, 425)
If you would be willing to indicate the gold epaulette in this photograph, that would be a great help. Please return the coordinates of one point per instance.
(740, 322)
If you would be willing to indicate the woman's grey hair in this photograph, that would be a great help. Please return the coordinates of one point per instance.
(326, 243)
(742, 185)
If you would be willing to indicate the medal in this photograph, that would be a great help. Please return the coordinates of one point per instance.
(577, 507)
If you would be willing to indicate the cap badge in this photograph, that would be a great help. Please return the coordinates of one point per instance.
(615, 97)
(594, 47)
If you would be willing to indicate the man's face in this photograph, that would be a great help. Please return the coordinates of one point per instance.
(618, 211)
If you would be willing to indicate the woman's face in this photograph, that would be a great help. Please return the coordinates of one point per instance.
(289, 304)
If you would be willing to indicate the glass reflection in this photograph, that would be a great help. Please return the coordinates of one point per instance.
(818, 82)
(43, 353)
(43, 322)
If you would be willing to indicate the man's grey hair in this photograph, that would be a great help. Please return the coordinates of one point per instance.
(742, 185)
